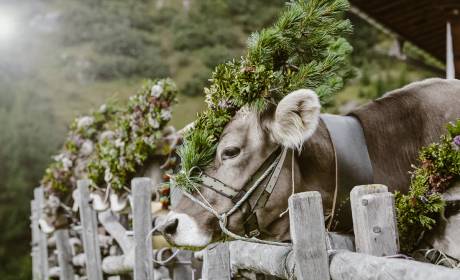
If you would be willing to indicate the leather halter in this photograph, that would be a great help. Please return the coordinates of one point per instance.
(352, 167)
(259, 196)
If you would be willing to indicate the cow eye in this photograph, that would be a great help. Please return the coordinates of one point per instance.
(230, 152)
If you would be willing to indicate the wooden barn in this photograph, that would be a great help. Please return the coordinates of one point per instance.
(433, 26)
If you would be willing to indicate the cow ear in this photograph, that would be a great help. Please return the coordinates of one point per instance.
(296, 118)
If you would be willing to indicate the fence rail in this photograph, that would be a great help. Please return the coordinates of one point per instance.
(369, 254)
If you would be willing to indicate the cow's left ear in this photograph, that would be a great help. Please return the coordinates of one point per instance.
(296, 118)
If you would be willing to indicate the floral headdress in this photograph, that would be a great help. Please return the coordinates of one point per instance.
(62, 174)
(111, 144)
(138, 136)
(303, 49)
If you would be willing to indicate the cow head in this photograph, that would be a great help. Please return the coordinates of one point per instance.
(245, 143)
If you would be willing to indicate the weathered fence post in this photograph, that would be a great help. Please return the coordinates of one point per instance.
(183, 266)
(89, 232)
(308, 235)
(374, 220)
(35, 232)
(216, 262)
(64, 254)
(42, 252)
(142, 225)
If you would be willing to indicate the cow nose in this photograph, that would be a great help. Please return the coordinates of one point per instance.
(170, 226)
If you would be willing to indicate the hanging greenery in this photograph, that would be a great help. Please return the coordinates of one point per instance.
(62, 174)
(439, 167)
(303, 49)
(138, 137)
(112, 144)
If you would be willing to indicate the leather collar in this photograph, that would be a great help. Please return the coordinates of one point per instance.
(352, 165)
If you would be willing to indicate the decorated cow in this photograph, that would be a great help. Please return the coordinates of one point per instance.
(111, 146)
(263, 136)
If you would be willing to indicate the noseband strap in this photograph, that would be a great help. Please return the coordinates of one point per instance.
(253, 194)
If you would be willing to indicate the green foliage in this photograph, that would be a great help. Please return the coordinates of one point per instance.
(304, 48)
(61, 176)
(136, 137)
(418, 211)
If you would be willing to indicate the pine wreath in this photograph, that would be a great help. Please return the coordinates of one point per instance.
(439, 167)
(305, 48)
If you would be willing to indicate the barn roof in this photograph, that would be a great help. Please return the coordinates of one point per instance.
(421, 22)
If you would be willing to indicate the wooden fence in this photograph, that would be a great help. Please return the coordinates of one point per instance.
(135, 259)
(320, 255)
(372, 253)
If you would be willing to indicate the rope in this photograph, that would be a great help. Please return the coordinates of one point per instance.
(292, 183)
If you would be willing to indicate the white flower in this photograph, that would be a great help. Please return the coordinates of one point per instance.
(107, 175)
(103, 108)
(87, 148)
(122, 161)
(66, 163)
(166, 114)
(84, 122)
(157, 90)
(119, 143)
(59, 157)
(153, 123)
(108, 134)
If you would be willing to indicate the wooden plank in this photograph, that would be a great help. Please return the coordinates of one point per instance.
(308, 235)
(455, 28)
(355, 266)
(216, 262)
(39, 198)
(89, 232)
(35, 233)
(281, 263)
(142, 225)
(118, 265)
(64, 254)
(183, 266)
(355, 196)
(254, 257)
(110, 222)
(450, 63)
(374, 221)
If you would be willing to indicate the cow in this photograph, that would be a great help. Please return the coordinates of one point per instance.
(394, 126)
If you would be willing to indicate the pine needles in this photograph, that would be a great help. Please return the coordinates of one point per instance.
(303, 49)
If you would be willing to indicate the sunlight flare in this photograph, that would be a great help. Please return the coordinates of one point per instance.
(7, 27)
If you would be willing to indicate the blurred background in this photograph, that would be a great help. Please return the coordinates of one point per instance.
(60, 59)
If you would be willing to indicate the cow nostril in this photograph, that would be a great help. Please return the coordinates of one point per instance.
(171, 226)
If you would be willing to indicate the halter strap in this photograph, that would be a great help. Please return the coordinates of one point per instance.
(258, 196)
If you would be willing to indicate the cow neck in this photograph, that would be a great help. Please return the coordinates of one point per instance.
(352, 166)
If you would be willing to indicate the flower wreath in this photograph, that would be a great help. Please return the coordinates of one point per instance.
(111, 144)
(439, 167)
(69, 165)
(138, 137)
(303, 49)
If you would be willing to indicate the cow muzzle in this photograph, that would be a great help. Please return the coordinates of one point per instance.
(181, 230)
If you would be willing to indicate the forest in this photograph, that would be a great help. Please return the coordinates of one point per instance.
(66, 58)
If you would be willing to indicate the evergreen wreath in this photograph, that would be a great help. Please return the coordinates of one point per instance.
(138, 136)
(303, 49)
(68, 166)
(439, 167)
